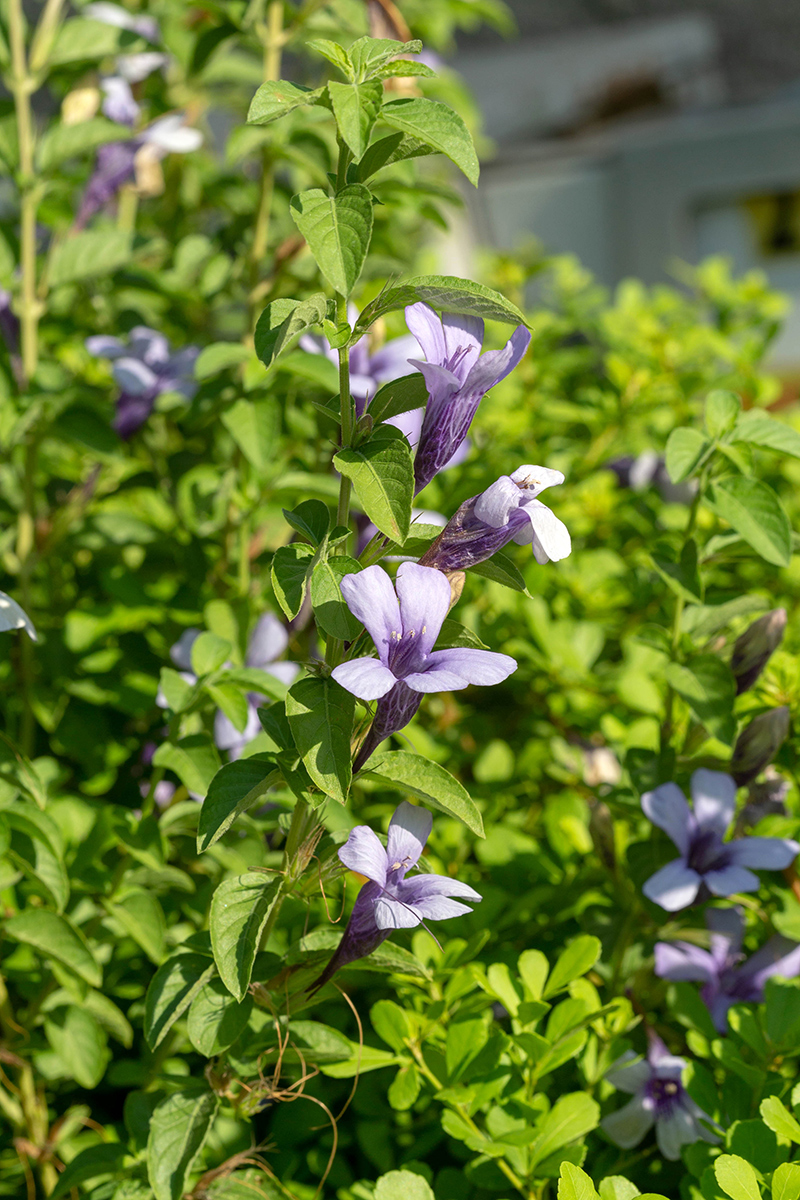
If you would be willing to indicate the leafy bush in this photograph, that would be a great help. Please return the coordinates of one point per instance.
(212, 467)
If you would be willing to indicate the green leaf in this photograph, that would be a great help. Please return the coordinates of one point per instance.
(194, 760)
(253, 679)
(368, 54)
(320, 716)
(171, 991)
(355, 107)
(84, 255)
(722, 409)
(394, 148)
(284, 320)
(312, 519)
(453, 635)
(399, 396)
(61, 142)
(500, 569)
(685, 450)
(178, 1129)
(330, 611)
(216, 1019)
(276, 98)
(140, 914)
(404, 67)
(255, 427)
(736, 1177)
(757, 515)
(80, 1043)
(404, 1088)
(218, 357)
(417, 776)
(391, 1024)
(209, 652)
(334, 53)
(759, 429)
(235, 788)
(578, 958)
(175, 689)
(786, 1182)
(708, 687)
(56, 937)
(616, 1187)
(683, 577)
(239, 910)
(570, 1118)
(403, 1185)
(91, 1163)
(575, 1184)
(83, 39)
(36, 847)
(382, 473)
(447, 293)
(438, 125)
(777, 1116)
(291, 566)
(338, 230)
(231, 701)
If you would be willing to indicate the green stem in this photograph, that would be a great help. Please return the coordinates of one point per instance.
(22, 85)
(347, 412)
(273, 39)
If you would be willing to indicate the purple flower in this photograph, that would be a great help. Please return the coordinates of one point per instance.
(706, 863)
(725, 977)
(368, 371)
(649, 468)
(506, 511)
(388, 900)
(659, 1098)
(144, 368)
(268, 642)
(116, 15)
(754, 648)
(458, 376)
(404, 628)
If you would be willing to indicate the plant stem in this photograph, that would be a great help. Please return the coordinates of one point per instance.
(22, 85)
(273, 39)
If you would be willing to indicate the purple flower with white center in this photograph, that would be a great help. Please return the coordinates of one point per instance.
(507, 511)
(119, 103)
(268, 642)
(726, 978)
(707, 864)
(368, 371)
(144, 368)
(404, 627)
(458, 376)
(115, 163)
(388, 900)
(659, 1098)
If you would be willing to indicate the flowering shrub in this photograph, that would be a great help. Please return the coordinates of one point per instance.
(324, 875)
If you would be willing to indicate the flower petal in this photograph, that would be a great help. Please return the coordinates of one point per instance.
(496, 364)
(391, 913)
(268, 641)
(371, 598)
(181, 652)
(780, 956)
(534, 479)
(632, 1075)
(409, 830)
(104, 346)
(409, 424)
(134, 376)
(422, 887)
(462, 334)
(363, 852)
(627, 1126)
(675, 886)
(714, 798)
(426, 326)
(769, 854)
(551, 540)
(499, 500)
(366, 678)
(439, 908)
(676, 1130)
(727, 931)
(680, 961)
(666, 807)
(285, 672)
(483, 667)
(441, 383)
(730, 880)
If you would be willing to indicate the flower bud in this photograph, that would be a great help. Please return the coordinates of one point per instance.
(766, 799)
(758, 743)
(752, 650)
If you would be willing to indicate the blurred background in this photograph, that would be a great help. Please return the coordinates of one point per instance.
(641, 134)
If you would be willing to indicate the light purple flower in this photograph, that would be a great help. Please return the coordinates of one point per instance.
(659, 1098)
(404, 627)
(268, 642)
(388, 900)
(507, 511)
(144, 367)
(368, 372)
(119, 103)
(726, 978)
(706, 862)
(649, 469)
(120, 18)
(458, 376)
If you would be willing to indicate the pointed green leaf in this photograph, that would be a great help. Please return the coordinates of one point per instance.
(447, 293)
(708, 687)
(368, 54)
(417, 776)
(255, 427)
(235, 788)
(759, 429)
(320, 716)
(330, 611)
(290, 570)
(194, 760)
(382, 473)
(570, 1118)
(685, 450)
(786, 1182)
(578, 958)
(399, 396)
(722, 409)
(276, 98)
(284, 320)
(178, 1129)
(216, 1019)
(338, 231)
(777, 1116)
(312, 518)
(355, 107)
(438, 125)
(209, 652)
(335, 54)
(575, 1184)
(736, 1177)
(239, 910)
(219, 356)
(500, 569)
(141, 915)
(80, 1043)
(403, 1185)
(56, 937)
(171, 991)
(757, 515)
(394, 148)
(103, 1159)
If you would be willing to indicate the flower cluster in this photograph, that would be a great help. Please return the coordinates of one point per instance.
(144, 368)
